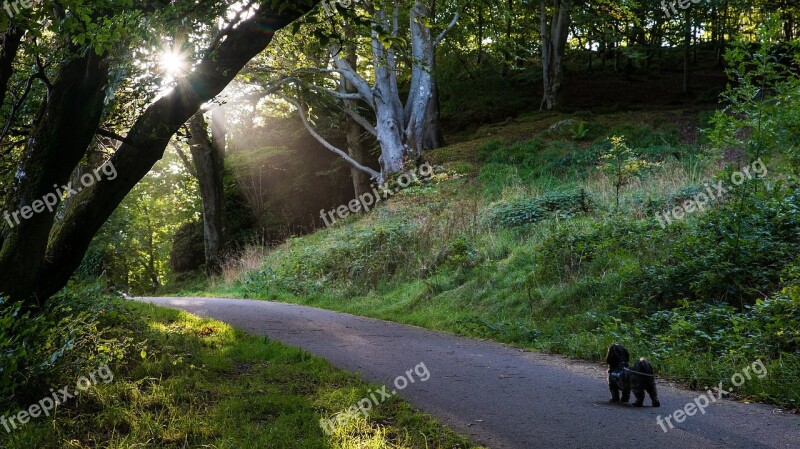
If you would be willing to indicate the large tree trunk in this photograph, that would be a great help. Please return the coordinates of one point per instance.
(388, 108)
(422, 110)
(69, 120)
(208, 157)
(145, 144)
(554, 42)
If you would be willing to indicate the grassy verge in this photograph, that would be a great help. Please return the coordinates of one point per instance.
(191, 382)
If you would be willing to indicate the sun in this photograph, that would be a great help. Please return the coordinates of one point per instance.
(173, 63)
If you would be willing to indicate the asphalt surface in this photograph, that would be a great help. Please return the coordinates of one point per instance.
(500, 396)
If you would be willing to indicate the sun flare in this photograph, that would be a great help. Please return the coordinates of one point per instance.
(173, 63)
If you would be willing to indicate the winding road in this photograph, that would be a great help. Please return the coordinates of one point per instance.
(497, 395)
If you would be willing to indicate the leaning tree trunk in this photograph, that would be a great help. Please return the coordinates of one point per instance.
(69, 120)
(208, 165)
(145, 143)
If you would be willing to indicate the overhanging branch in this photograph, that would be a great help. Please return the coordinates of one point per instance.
(303, 116)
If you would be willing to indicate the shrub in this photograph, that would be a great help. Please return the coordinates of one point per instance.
(522, 211)
(516, 213)
(52, 346)
(735, 253)
(188, 249)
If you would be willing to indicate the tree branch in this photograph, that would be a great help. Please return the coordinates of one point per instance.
(113, 135)
(444, 32)
(372, 173)
(361, 121)
(186, 162)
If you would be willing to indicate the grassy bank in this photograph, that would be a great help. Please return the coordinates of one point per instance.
(520, 239)
(181, 381)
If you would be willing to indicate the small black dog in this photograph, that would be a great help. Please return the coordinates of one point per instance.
(621, 377)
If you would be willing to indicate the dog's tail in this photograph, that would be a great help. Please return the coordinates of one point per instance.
(644, 366)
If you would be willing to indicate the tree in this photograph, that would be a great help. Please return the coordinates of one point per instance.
(208, 155)
(403, 130)
(38, 256)
(554, 30)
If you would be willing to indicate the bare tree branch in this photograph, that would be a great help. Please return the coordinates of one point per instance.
(186, 162)
(444, 32)
(361, 121)
(303, 116)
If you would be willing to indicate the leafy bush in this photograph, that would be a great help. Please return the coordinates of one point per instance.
(516, 213)
(52, 346)
(735, 253)
(522, 211)
(567, 203)
(188, 249)
(593, 249)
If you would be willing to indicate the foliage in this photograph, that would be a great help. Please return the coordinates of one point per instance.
(136, 241)
(735, 253)
(68, 338)
(760, 114)
(580, 130)
(622, 164)
(188, 249)
(522, 211)
(361, 258)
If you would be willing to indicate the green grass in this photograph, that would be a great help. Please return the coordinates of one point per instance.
(201, 383)
(504, 253)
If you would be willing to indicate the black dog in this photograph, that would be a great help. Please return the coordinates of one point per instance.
(621, 377)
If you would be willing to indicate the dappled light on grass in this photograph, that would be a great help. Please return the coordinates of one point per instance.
(201, 383)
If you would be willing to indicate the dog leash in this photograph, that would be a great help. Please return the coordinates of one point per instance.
(637, 372)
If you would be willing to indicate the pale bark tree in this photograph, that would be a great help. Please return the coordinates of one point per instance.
(403, 129)
(554, 31)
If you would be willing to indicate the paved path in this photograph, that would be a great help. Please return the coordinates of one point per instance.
(500, 396)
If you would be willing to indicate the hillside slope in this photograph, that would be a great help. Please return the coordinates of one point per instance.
(521, 237)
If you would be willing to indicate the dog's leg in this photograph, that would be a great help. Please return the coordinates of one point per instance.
(626, 393)
(653, 393)
(639, 393)
(614, 389)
